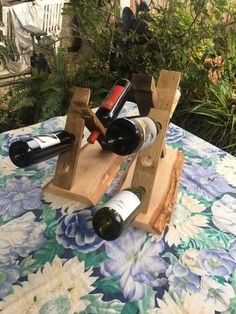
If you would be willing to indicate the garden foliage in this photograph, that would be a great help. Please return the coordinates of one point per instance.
(194, 37)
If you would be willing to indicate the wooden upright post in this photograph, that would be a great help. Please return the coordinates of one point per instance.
(159, 176)
(148, 159)
(68, 162)
(143, 87)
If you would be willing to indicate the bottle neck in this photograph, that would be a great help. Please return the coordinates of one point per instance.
(120, 100)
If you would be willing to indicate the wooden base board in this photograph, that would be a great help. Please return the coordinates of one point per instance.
(163, 194)
(96, 171)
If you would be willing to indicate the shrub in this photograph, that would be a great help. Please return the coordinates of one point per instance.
(186, 36)
(42, 95)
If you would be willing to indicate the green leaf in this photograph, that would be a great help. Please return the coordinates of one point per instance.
(38, 175)
(2, 138)
(148, 302)
(98, 306)
(3, 181)
(219, 279)
(130, 308)
(173, 259)
(48, 251)
(108, 285)
(200, 199)
(29, 265)
(2, 222)
(48, 173)
(191, 154)
(104, 199)
(206, 163)
(50, 231)
(21, 172)
(48, 213)
(214, 238)
(232, 308)
(176, 145)
(92, 259)
(207, 238)
(233, 280)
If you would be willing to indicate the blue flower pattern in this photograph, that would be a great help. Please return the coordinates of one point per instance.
(137, 263)
(138, 268)
(232, 249)
(216, 262)
(75, 231)
(204, 182)
(18, 196)
(10, 139)
(8, 275)
(182, 279)
(174, 134)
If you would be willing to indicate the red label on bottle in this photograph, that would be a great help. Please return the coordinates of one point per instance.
(112, 97)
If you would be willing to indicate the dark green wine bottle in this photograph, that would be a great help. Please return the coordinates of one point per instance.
(125, 136)
(28, 151)
(117, 214)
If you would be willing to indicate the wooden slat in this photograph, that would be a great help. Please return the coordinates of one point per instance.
(143, 82)
(68, 161)
(91, 120)
(148, 159)
(143, 87)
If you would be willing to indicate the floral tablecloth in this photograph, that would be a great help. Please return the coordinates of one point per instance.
(52, 262)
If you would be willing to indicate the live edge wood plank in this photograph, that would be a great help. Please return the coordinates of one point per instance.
(95, 173)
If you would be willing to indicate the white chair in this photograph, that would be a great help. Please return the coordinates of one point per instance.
(52, 18)
(46, 15)
(5, 20)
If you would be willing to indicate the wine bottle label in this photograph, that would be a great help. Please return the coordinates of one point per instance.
(149, 130)
(124, 203)
(175, 103)
(112, 97)
(47, 140)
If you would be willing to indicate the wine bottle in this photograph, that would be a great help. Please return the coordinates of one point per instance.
(28, 151)
(117, 214)
(125, 136)
(111, 106)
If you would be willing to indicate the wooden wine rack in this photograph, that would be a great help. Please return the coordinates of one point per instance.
(84, 174)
